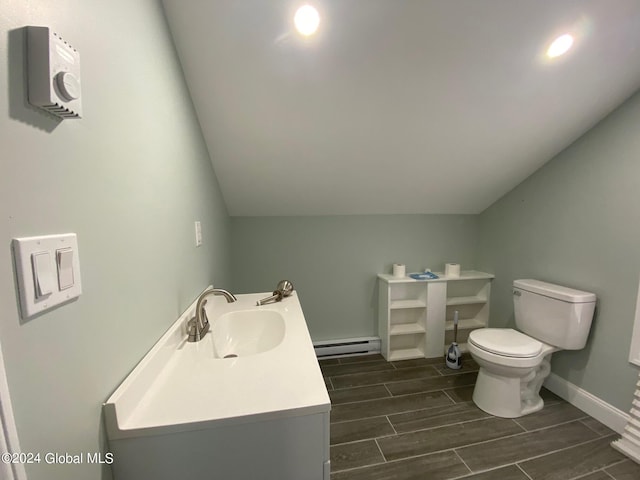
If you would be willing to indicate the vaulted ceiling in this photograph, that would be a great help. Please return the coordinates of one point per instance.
(396, 106)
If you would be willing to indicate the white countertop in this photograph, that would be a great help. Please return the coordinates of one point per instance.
(192, 390)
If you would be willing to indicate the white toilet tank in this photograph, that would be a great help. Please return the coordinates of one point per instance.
(553, 314)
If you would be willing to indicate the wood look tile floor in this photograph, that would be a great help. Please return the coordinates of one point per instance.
(414, 419)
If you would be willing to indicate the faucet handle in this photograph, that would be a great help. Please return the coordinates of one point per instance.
(192, 328)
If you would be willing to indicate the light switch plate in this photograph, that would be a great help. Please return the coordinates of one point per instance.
(45, 247)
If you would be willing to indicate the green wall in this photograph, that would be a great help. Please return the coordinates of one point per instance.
(333, 260)
(130, 178)
(576, 222)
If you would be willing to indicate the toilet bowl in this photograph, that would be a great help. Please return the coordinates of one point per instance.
(513, 367)
(514, 364)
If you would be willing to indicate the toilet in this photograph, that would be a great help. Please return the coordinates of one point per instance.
(513, 364)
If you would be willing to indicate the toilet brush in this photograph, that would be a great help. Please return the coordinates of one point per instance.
(453, 358)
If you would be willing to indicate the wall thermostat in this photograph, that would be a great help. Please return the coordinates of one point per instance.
(53, 68)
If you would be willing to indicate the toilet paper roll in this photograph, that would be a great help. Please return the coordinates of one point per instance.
(452, 270)
(399, 270)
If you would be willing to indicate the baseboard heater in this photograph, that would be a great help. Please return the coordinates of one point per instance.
(347, 347)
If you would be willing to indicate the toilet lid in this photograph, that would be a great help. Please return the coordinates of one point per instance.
(505, 341)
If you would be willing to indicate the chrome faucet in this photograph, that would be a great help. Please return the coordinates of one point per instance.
(199, 325)
(284, 289)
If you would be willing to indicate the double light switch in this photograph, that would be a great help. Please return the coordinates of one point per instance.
(48, 270)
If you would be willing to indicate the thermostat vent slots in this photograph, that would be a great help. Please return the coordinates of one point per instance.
(60, 110)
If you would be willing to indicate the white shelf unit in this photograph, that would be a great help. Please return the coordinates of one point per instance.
(469, 294)
(415, 317)
(410, 317)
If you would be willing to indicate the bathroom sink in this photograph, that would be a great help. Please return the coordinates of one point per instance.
(246, 332)
(191, 410)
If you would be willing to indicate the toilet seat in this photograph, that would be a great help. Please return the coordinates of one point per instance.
(506, 342)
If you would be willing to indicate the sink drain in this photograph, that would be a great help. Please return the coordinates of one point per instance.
(230, 355)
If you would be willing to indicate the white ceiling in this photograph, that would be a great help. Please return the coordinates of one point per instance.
(396, 106)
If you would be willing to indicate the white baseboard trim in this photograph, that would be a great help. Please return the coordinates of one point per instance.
(602, 411)
(628, 448)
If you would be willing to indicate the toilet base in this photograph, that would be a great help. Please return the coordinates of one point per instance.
(511, 396)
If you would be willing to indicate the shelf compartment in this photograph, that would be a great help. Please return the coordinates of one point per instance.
(468, 288)
(405, 354)
(468, 300)
(468, 311)
(407, 320)
(408, 292)
(406, 346)
(413, 303)
(406, 329)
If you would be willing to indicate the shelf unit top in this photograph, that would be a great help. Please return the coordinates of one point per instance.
(464, 275)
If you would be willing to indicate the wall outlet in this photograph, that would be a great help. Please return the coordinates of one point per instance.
(198, 233)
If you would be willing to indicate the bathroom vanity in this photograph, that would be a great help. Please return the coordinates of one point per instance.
(247, 401)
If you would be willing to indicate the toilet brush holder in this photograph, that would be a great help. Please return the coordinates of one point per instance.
(453, 358)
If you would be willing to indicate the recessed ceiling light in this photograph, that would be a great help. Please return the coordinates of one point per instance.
(306, 20)
(560, 46)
